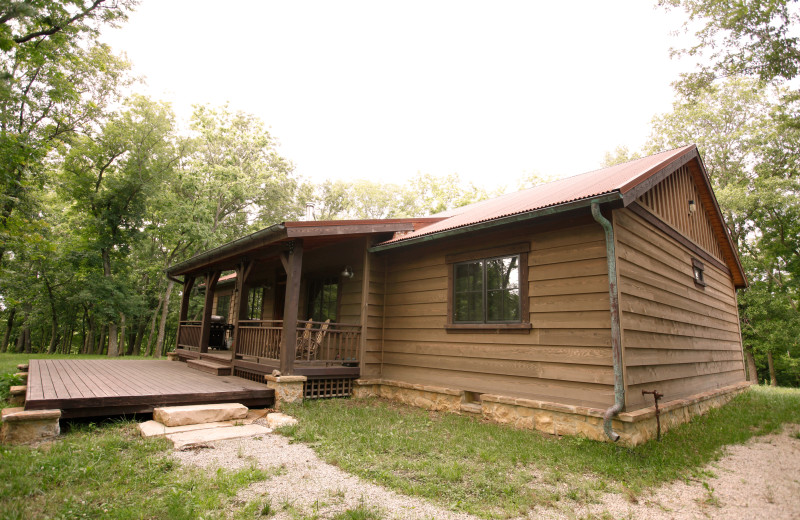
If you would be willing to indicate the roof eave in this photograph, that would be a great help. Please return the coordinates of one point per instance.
(605, 198)
(264, 236)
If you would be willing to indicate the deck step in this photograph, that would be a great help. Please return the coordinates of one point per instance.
(212, 367)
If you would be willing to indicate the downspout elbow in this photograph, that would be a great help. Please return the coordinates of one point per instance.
(616, 336)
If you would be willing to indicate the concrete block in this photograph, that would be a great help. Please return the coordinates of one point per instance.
(22, 427)
(17, 394)
(277, 420)
(199, 414)
(22, 367)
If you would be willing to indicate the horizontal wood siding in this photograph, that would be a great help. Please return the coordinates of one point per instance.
(371, 365)
(678, 338)
(565, 357)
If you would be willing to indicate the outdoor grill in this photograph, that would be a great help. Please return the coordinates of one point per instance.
(219, 328)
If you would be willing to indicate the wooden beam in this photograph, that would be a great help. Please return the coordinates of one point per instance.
(188, 284)
(242, 272)
(205, 328)
(294, 268)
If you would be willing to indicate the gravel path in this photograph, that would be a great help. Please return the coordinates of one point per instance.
(759, 480)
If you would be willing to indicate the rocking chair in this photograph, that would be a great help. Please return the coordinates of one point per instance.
(308, 344)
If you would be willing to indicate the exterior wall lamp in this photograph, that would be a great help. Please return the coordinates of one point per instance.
(692, 207)
(347, 272)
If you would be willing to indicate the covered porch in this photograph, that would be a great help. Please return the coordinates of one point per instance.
(292, 298)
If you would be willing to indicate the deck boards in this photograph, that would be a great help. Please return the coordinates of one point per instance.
(97, 387)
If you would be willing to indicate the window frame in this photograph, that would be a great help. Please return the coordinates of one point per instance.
(323, 280)
(698, 268)
(519, 250)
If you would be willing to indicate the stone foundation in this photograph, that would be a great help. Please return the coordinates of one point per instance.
(634, 428)
(17, 394)
(288, 389)
(21, 427)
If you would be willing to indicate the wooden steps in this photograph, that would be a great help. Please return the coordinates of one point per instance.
(211, 367)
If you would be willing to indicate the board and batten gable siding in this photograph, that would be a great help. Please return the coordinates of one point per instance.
(678, 338)
(565, 357)
(669, 201)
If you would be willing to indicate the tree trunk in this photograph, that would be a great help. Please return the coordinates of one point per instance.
(152, 335)
(751, 366)
(163, 325)
(9, 326)
(137, 344)
(113, 330)
(101, 346)
(26, 339)
(773, 381)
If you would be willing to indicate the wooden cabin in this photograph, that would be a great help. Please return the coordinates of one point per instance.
(551, 308)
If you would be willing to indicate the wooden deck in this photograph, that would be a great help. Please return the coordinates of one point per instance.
(100, 387)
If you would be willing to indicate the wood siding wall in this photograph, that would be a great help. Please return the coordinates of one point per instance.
(669, 200)
(678, 338)
(566, 357)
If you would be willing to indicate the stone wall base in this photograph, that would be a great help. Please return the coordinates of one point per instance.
(22, 427)
(288, 389)
(634, 428)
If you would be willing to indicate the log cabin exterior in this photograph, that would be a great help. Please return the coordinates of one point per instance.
(551, 308)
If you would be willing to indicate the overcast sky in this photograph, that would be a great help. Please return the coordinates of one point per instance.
(382, 90)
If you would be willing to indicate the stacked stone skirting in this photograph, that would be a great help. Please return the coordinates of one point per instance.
(288, 389)
(634, 428)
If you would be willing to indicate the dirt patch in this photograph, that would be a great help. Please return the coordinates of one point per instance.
(758, 480)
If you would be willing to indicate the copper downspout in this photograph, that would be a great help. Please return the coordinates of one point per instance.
(616, 337)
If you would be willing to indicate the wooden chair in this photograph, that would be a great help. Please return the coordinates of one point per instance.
(311, 345)
(303, 340)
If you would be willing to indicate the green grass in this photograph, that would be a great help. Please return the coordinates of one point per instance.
(497, 472)
(109, 471)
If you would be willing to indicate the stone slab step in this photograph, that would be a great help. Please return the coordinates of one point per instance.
(156, 429)
(199, 413)
(201, 438)
(212, 367)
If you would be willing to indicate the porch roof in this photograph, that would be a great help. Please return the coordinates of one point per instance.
(270, 241)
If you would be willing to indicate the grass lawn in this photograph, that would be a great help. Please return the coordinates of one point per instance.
(496, 471)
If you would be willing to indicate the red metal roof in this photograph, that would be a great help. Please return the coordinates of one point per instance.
(620, 178)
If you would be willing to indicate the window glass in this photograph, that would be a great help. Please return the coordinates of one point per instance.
(255, 302)
(487, 291)
(223, 305)
(323, 295)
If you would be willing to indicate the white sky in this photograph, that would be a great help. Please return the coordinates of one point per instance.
(382, 90)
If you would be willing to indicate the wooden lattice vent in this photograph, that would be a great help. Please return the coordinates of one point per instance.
(328, 387)
(250, 375)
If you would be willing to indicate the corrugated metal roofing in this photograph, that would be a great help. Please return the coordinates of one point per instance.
(620, 178)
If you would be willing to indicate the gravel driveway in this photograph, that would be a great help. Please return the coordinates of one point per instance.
(759, 480)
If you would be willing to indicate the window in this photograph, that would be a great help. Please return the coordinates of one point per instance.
(489, 290)
(223, 305)
(255, 302)
(697, 272)
(323, 299)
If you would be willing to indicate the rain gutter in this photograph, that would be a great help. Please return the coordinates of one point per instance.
(276, 231)
(616, 337)
(503, 221)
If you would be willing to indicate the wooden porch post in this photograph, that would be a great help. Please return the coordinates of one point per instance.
(367, 267)
(293, 264)
(188, 283)
(242, 272)
(205, 328)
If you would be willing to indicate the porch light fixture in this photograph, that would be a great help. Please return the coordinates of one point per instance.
(692, 207)
(348, 272)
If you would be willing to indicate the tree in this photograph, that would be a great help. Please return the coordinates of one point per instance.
(55, 80)
(742, 38)
(110, 176)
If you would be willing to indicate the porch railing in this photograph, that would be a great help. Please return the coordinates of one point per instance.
(189, 335)
(321, 343)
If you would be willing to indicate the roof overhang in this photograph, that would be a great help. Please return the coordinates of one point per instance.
(606, 199)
